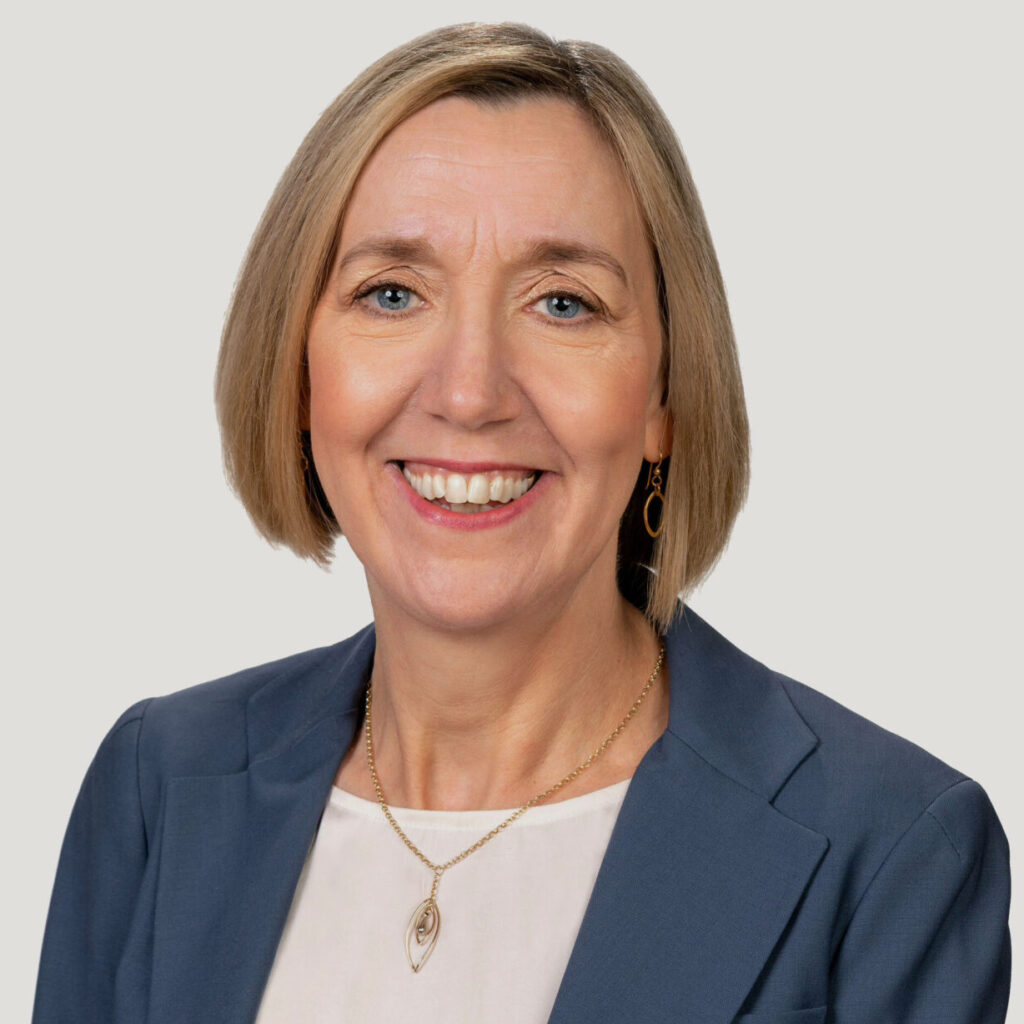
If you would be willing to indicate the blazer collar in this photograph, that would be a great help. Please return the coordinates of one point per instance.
(282, 711)
(699, 879)
(731, 709)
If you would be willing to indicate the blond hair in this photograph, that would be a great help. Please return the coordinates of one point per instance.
(262, 387)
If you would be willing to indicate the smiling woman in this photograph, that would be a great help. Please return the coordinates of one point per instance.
(481, 334)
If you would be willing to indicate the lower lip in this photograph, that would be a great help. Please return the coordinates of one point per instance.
(468, 520)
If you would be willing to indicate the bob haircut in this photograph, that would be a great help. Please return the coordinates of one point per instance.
(262, 386)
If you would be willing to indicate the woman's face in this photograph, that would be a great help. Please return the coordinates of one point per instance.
(491, 318)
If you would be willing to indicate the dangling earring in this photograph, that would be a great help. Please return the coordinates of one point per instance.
(302, 451)
(654, 480)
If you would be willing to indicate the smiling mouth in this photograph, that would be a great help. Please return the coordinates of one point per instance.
(468, 493)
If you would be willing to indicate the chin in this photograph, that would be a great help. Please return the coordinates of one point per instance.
(458, 606)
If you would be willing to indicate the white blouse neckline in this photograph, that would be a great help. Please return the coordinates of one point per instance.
(475, 819)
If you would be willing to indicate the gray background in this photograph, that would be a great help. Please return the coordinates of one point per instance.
(860, 166)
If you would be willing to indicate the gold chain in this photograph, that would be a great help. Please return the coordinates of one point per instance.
(439, 869)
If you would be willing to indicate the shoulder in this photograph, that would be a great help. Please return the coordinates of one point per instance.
(858, 760)
(880, 798)
(915, 885)
(820, 755)
(788, 741)
(207, 728)
(823, 765)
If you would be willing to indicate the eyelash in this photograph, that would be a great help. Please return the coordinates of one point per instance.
(375, 286)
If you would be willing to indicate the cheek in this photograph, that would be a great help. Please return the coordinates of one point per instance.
(352, 399)
(352, 391)
(599, 411)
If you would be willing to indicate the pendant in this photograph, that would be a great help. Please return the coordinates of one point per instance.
(421, 935)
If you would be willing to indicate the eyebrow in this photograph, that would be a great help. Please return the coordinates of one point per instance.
(547, 251)
(542, 252)
(409, 250)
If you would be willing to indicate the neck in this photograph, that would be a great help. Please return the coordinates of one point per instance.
(492, 719)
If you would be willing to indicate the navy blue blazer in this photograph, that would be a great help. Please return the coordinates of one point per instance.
(777, 858)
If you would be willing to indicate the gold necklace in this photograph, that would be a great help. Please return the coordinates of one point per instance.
(425, 923)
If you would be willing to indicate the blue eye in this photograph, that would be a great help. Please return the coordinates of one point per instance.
(391, 298)
(565, 307)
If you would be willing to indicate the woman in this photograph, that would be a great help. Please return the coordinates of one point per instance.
(481, 333)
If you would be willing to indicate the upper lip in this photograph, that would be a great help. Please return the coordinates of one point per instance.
(458, 466)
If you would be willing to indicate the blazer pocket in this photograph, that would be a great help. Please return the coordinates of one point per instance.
(814, 1015)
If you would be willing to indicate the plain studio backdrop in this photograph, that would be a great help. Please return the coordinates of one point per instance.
(860, 167)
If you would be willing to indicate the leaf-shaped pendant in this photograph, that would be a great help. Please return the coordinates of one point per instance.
(421, 935)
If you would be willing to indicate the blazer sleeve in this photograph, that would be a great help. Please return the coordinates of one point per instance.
(929, 940)
(98, 876)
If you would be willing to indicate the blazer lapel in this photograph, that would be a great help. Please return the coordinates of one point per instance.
(701, 873)
(233, 847)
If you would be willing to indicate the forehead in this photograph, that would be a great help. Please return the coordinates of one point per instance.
(467, 172)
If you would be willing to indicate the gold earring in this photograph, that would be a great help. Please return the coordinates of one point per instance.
(654, 480)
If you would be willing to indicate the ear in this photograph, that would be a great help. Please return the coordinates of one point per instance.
(658, 435)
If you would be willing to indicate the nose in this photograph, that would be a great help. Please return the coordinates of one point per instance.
(469, 383)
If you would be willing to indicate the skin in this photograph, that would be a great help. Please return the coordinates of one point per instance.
(504, 655)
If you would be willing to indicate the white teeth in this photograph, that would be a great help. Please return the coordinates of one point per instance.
(479, 490)
(464, 495)
(455, 490)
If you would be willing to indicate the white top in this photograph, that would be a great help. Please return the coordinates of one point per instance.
(509, 912)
